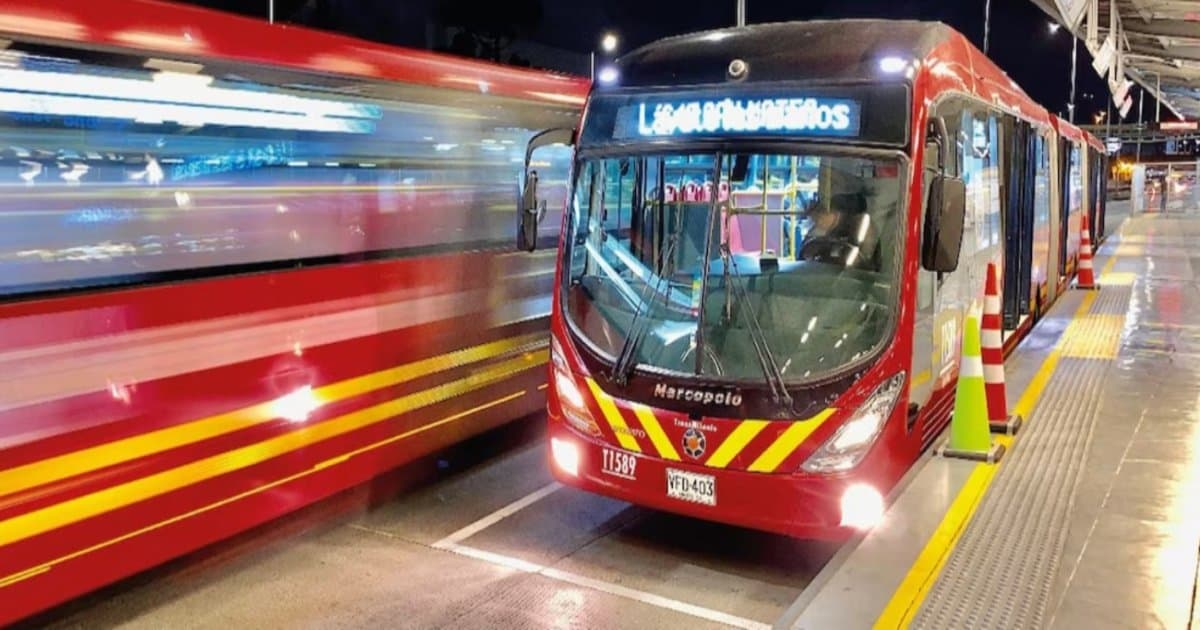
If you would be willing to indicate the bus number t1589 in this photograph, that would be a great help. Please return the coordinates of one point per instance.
(619, 464)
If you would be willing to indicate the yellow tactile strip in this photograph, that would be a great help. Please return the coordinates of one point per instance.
(1093, 336)
(1129, 250)
(1118, 278)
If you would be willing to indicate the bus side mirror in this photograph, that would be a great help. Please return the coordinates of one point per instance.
(944, 224)
(529, 214)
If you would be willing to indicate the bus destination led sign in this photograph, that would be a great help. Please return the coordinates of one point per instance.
(803, 116)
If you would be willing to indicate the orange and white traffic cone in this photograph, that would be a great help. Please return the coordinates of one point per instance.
(992, 350)
(1086, 278)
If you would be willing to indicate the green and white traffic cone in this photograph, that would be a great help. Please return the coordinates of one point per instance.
(970, 432)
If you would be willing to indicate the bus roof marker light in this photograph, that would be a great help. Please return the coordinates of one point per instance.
(892, 64)
(608, 75)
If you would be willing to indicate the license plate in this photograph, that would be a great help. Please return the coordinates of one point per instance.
(619, 464)
(693, 487)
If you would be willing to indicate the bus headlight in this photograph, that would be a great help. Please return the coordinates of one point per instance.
(846, 448)
(568, 392)
(862, 507)
(566, 456)
(570, 398)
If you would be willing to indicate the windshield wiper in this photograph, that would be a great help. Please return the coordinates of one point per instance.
(638, 326)
(766, 360)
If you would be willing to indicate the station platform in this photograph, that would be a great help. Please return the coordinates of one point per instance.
(1089, 520)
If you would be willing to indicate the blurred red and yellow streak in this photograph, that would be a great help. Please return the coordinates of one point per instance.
(90, 505)
(87, 460)
(31, 572)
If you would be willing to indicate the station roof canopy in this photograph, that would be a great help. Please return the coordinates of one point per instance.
(1159, 42)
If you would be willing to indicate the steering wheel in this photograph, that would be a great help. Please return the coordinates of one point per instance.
(824, 249)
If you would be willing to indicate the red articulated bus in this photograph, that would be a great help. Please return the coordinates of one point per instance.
(243, 267)
(772, 237)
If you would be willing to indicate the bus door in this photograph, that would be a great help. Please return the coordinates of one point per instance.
(1043, 225)
(1018, 219)
(1065, 156)
(1102, 195)
(934, 334)
(544, 183)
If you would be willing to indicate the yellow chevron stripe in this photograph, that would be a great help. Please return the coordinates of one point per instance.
(787, 442)
(89, 459)
(649, 421)
(613, 416)
(736, 441)
(80, 508)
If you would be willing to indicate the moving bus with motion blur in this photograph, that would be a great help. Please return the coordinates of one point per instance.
(243, 268)
(771, 241)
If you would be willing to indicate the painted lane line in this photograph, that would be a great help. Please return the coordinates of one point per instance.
(497, 516)
(625, 592)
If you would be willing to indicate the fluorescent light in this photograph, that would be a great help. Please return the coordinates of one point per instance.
(180, 88)
(188, 99)
(22, 103)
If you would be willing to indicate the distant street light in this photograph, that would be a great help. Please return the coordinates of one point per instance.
(609, 42)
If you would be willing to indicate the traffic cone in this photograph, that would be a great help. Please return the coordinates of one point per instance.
(1086, 278)
(970, 434)
(992, 334)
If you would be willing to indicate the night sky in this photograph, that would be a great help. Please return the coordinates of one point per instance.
(1020, 41)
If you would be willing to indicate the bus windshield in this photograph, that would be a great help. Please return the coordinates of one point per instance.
(694, 263)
